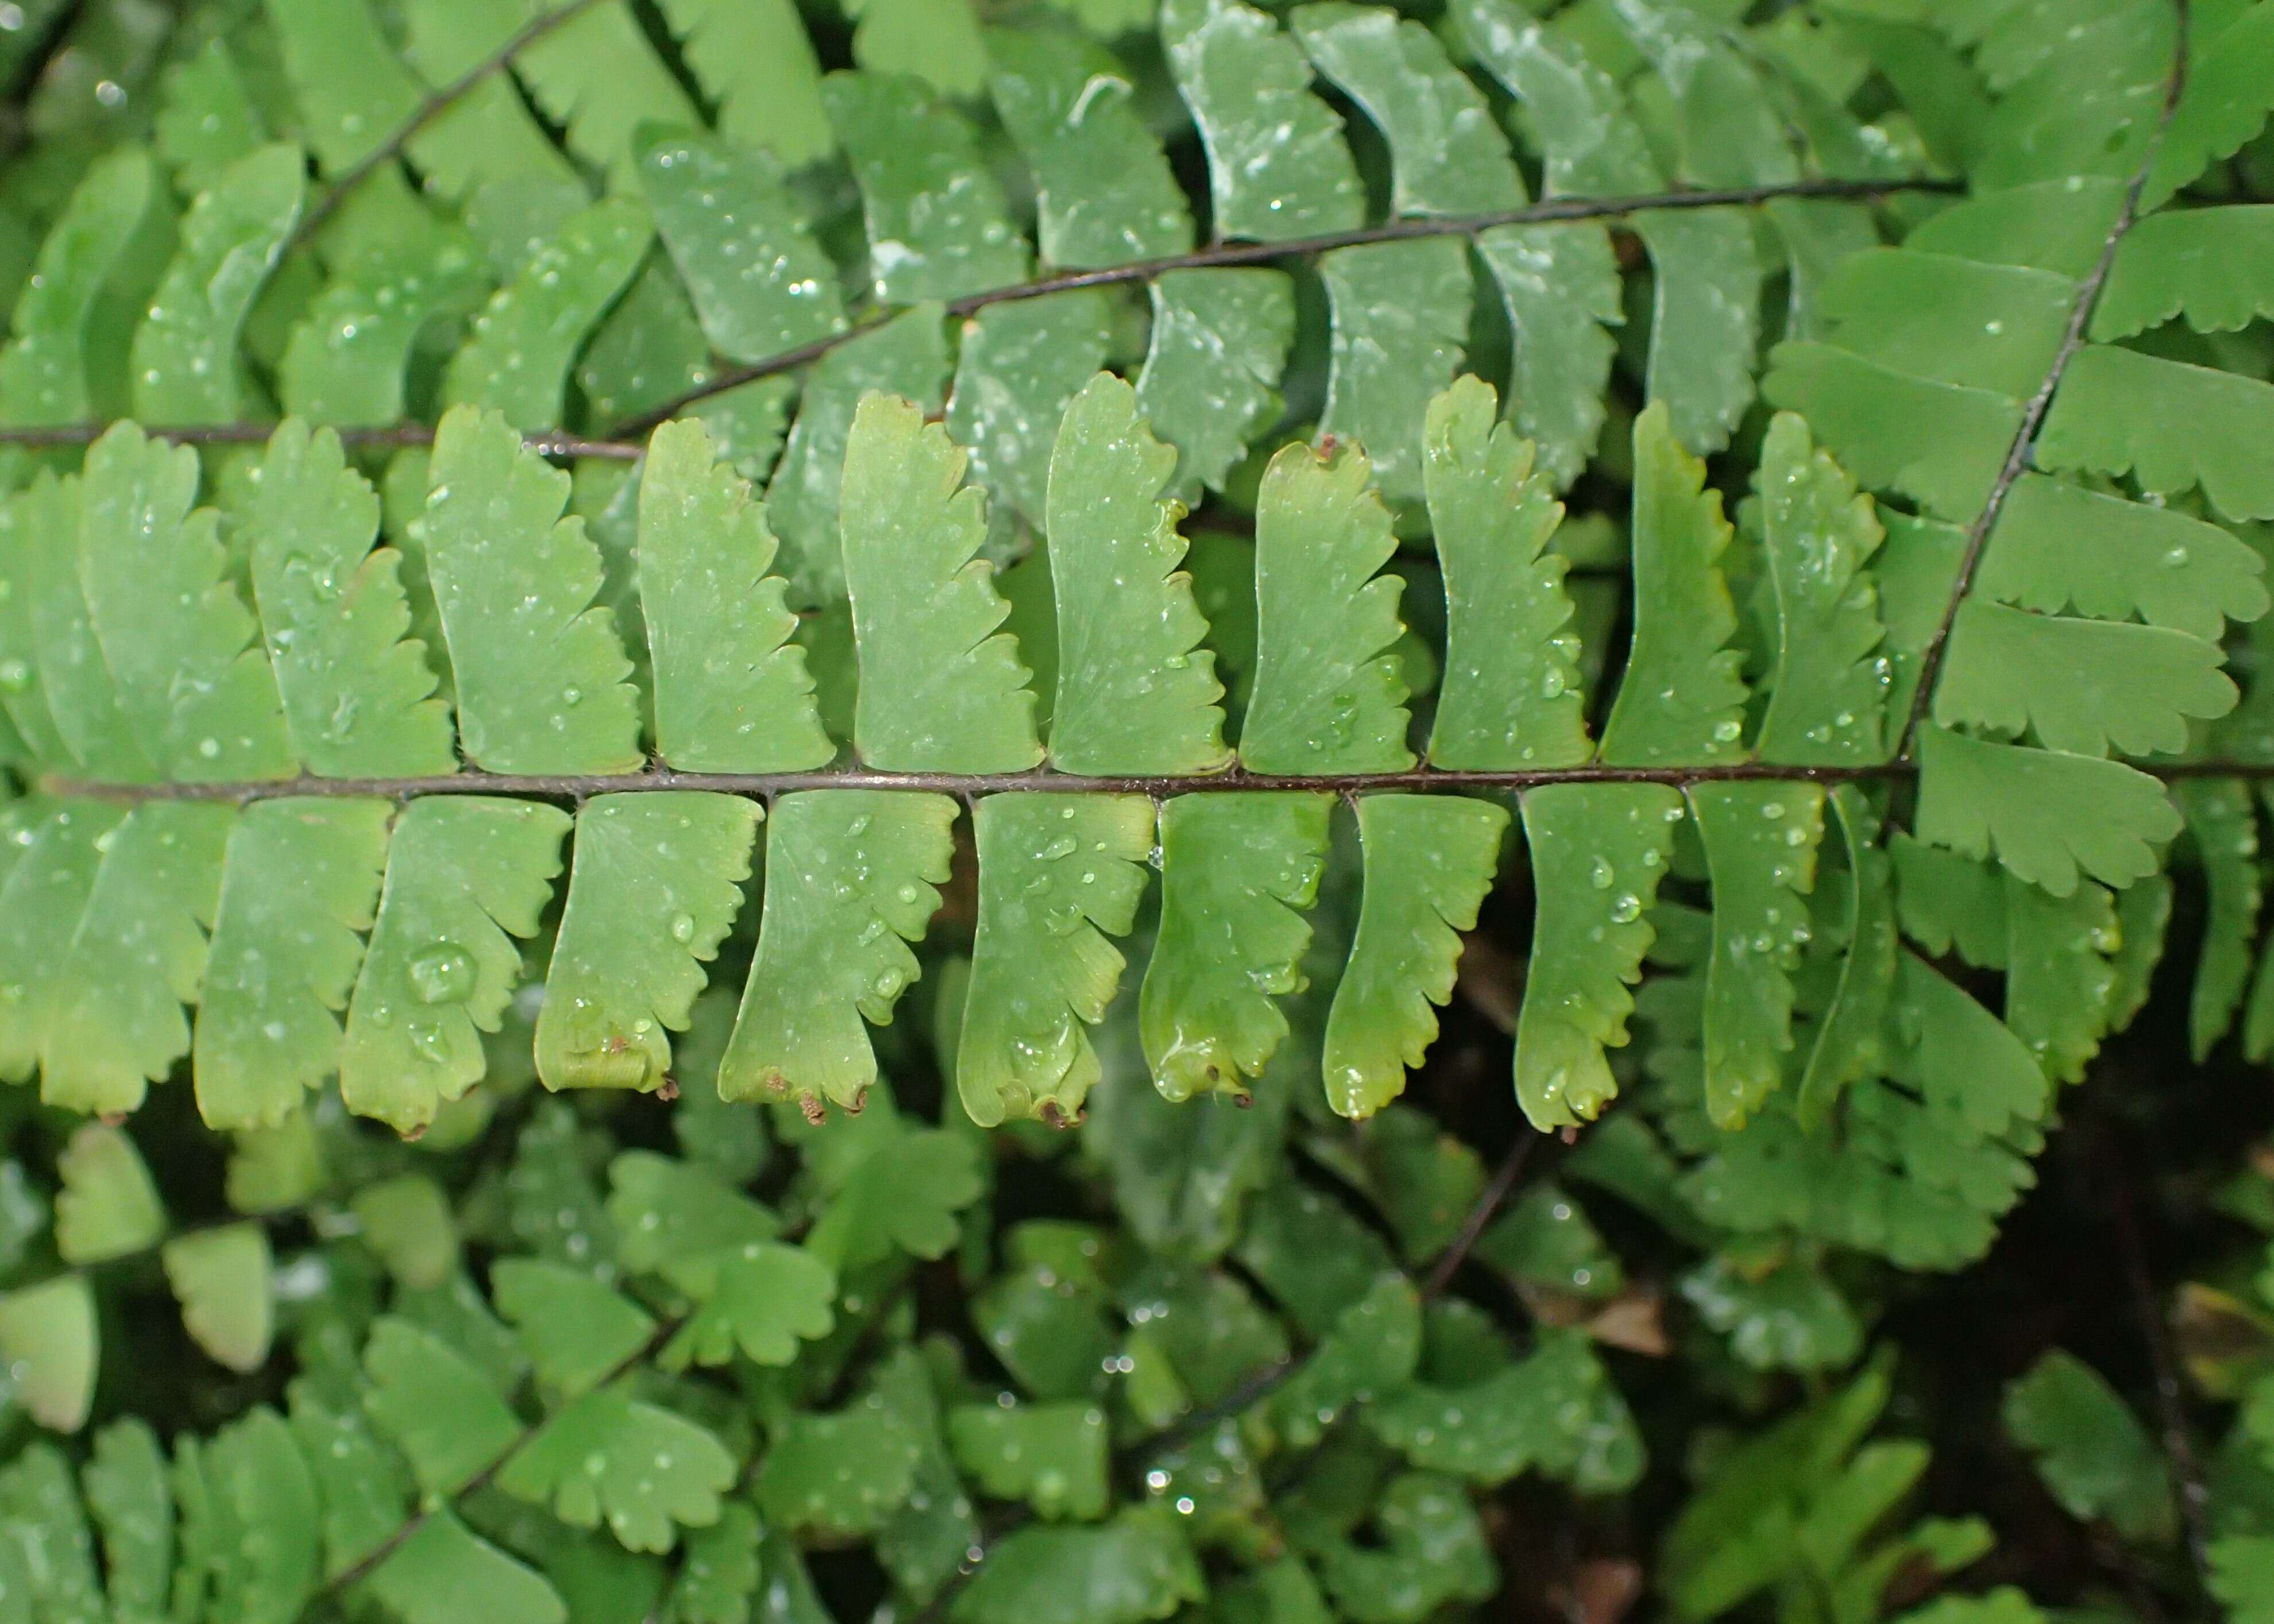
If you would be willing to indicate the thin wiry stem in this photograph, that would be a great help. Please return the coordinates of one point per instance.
(1553, 210)
(626, 442)
(765, 785)
(580, 786)
(435, 105)
(2022, 451)
(1481, 1216)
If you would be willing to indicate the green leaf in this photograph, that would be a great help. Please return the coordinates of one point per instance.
(720, 1574)
(197, 690)
(760, 281)
(249, 1521)
(1598, 853)
(923, 1543)
(2225, 104)
(1760, 846)
(1429, 862)
(444, 1570)
(223, 1278)
(1828, 699)
(598, 76)
(1238, 875)
(541, 687)
(1447, 155)
(48, 1349)
(1939, 444)
(352, 90)
(1060, 874)
(675, 1217)
(2047, 815)
(938, 221)
(2062, 547)
(107, 1206)
(852, 875)
(579, 1333)
(2092, 1451)
(1788, 1318)
(1966, 1066)
(1547, 1239)
(644, 1468)
(2123, 412)
(656, 885)
(906, 356)
(516, 363)
(126, 1493)
(704, 552)
(839, 1475)
(935, 41)
(347, 360)
(1019, 365)
(1134, 696)
(23, 695)
(486, 137)
(81, 696)
(1949, 321)
(1219, 342)
(1560, 285)
(1278, 164)
(1329, 696)
(2242, 1576)
(1104, 193)
(1847, 1040)
(1137, 1567)
(464, 877)
(95, 269)
(765, 1300)
(436, 1405)
(298, 884)
(2206, 267)
(753, 59)
(2058, 982)
(406, 1220)
(1556, 1410)
(2225, 829)
(905, 1195)
(357, 694)
(115, 1023)
(1511, 697)
(1370, 1353)
(1053, 1456)
(1400, 317)
(940, 690)
(184, 361)
(1683, 697)
(2083, 687)
(41, 903)
(1432, 1550)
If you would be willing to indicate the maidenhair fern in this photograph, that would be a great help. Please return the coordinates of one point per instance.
(713, 550)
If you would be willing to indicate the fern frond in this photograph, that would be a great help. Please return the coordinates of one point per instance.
(655, 885)
(942, 689)
(1682, 698)
(1068, 873)
(1134, 696)
(539, 673)
(1430, 859)
(1329, 697)
(1510, 696)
